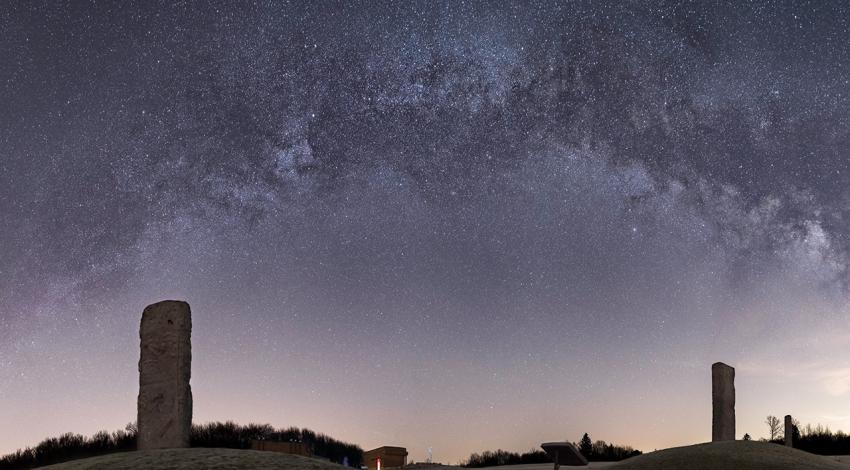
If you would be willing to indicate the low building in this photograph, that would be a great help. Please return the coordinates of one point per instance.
(385, 457)
(297, 448)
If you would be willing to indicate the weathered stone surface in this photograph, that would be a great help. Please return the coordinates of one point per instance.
(789, 431)
(723, 402)
(165, 367)
(563, 453)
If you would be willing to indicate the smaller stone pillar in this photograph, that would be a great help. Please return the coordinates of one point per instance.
(789, 431)
(723, 402)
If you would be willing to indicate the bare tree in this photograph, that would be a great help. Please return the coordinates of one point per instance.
(773, 425)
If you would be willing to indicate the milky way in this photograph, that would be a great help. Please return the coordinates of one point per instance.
(455, 225)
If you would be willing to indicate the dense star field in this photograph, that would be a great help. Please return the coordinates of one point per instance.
(456, 225)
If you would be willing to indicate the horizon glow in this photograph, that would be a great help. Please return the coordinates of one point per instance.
(463, 226)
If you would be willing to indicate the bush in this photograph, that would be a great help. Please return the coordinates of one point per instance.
(598, 451)
(491, 458)
(69, 447)
(233, 436)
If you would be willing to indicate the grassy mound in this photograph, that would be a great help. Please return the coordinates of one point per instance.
(730, 455)
(176, 459)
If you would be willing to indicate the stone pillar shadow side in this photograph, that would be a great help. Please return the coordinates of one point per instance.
(165, 369)
(723, 402)
(789, 431)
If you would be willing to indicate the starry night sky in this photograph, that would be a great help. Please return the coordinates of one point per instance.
(453, 224)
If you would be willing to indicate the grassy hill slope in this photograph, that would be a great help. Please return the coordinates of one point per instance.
(197, 458)
(730, 455)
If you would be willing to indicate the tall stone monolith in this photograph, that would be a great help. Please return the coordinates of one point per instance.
(165, 367)
(723, 402)
(789, 431)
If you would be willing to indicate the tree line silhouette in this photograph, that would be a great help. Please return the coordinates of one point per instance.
(493, 458)
(215, 435)
(817, 439)
(70, 446)
(599, 451)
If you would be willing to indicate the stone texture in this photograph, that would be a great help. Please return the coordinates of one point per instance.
(723, 402)
(789, 431)
(165, 367)
(564, 453)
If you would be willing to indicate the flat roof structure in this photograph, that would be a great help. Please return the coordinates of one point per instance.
(385, 457)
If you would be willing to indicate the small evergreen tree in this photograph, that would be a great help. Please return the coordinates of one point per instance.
(585, 446)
